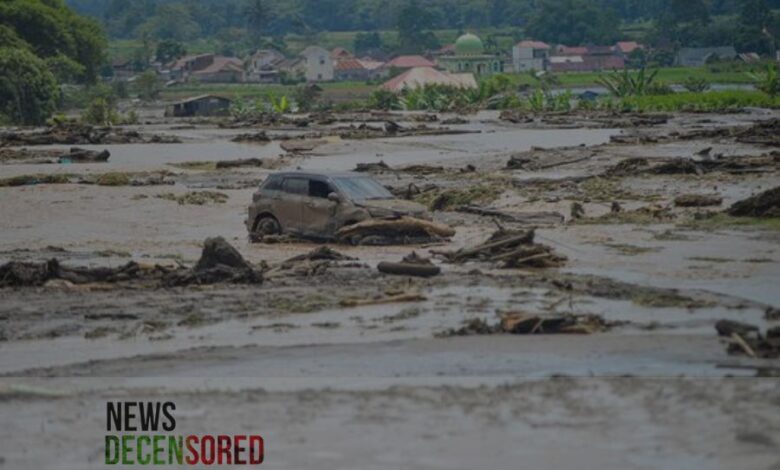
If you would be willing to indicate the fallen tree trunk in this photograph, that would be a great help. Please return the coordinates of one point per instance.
(396, 226)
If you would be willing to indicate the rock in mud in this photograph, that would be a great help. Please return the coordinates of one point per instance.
(766, 204)
(79, 155)
(219, 262)
(698, 200)
(217, 251)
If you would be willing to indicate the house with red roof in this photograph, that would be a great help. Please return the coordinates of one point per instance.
(530, 55)
(409, 62)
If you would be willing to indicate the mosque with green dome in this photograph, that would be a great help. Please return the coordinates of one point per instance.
(470, 57)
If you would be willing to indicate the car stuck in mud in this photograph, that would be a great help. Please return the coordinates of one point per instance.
(317, 205)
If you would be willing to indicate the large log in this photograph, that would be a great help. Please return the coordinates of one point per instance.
(394, 226)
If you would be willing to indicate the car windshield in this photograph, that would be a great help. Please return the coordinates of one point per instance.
(361, 188)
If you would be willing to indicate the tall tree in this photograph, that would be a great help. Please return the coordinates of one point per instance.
(414, 23)
(257, 16)
(573, 22)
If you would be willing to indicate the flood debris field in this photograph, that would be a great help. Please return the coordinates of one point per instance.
(635, 248)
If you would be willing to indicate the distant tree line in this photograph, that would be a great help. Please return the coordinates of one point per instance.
(749, 24)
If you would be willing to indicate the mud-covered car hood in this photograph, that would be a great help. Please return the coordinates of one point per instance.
(398, 206)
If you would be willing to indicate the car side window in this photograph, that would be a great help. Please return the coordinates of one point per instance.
(296, 186)
(273, 184)
(319, 189)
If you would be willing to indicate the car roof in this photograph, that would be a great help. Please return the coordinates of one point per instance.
(320, 174)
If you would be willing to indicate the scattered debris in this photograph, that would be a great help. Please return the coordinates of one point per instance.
(255, 138)
(247, 162)
(524, 218)
(697, 200)
(577, 210)
(309, 264)
(379, 167)
(82, 134)
(747, 339)
(765, 204)
(196, 198)
(411, 265)
(532, 324)
(384, 299)
(301, 145)
(510, 248)
(220, 262)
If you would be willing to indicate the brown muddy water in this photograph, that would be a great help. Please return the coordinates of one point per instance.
(390, 386)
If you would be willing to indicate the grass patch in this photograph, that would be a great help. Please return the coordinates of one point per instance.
(197, 166)
(196, 198)
(452, 198)
(667, 300)
(26, 180)
(113, 179)
(708, 101)
(632, 250)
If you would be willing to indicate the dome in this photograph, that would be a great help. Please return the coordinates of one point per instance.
(469, 44)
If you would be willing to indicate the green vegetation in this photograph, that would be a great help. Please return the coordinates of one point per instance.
(627, 83)
(43, 42)
(28, 90)
(767, 81)
(690, 101)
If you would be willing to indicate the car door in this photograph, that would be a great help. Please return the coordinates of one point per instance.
(288, 208)
(318, 211)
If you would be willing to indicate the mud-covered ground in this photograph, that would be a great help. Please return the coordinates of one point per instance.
(340, 366)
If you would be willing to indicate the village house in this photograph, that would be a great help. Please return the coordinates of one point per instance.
(530, 55)
(699, 56)
(122, 69)
(340, 53)
(222, 70)
(586, 59)
(626, 48)
(470, 57)
(204, 105)
(350, 70)
(184, 66)
(262, 66)
(317, 63)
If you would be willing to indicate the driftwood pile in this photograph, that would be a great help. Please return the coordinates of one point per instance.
(511, 249)
(532, 324)
(402, 230)
(746, 339)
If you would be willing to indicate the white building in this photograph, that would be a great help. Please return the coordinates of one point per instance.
(318, 64)
(530, 55)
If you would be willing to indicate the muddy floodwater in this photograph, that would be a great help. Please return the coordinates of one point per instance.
(640, 253)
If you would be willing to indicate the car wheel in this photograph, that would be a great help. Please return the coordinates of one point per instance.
(267, 225)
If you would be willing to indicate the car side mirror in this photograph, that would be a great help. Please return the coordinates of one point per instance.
(334, 197)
